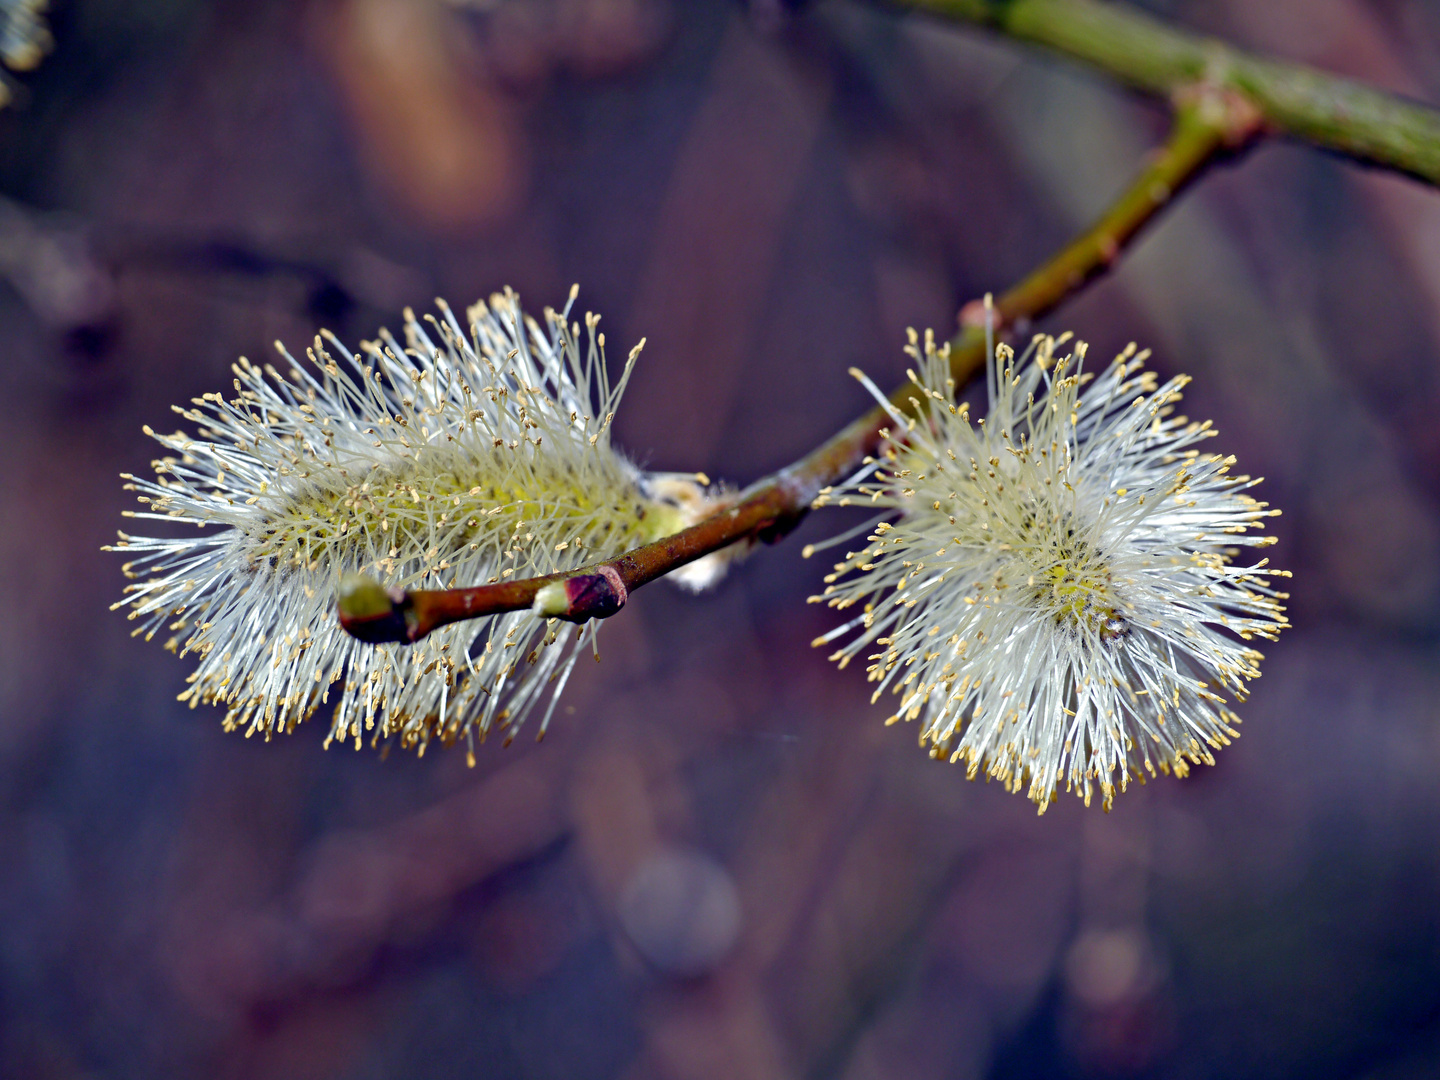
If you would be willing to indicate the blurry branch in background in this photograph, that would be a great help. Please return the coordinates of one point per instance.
(1222, 99)
(1208, 124)
(50, 262)
(1148, 55)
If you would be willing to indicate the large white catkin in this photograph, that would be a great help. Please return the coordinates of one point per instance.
(471, 453)
(1051, 590)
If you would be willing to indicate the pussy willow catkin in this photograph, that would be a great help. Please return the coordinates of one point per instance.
(1051, 591)
(472, 453)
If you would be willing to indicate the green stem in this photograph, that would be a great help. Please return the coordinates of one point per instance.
(1206, 126)
(1149, 55)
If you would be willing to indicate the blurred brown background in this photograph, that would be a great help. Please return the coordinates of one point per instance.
(719, 866)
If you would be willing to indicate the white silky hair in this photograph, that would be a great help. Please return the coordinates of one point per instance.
(1055, 597)
(468, 454)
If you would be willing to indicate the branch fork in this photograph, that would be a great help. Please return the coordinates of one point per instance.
(1223, 101)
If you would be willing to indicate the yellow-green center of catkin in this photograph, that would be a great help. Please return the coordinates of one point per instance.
(448, 505)
(1071, 579)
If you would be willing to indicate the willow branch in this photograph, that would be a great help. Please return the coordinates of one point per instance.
(1142, 52)
(1206, 126)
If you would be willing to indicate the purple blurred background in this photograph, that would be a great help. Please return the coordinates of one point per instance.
(720, 865)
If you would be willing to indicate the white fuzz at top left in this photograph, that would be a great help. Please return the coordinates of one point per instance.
(24, 39)
(470, 454)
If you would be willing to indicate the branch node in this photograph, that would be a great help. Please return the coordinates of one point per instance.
(1231, 112)
(375, 614)
(582, 597)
